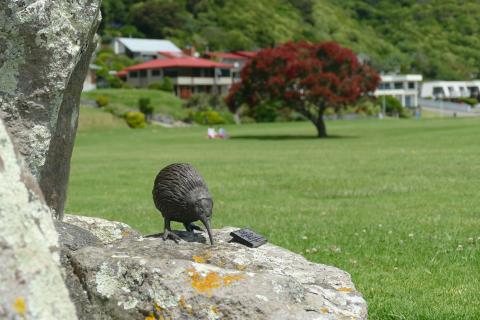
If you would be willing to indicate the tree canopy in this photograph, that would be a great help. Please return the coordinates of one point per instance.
(306, 77)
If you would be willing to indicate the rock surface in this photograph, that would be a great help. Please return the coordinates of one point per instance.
(45, 49)
(31, 284)
(148, 278)
(105, 230)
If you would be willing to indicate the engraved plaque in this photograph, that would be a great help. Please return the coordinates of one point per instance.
(248, 238)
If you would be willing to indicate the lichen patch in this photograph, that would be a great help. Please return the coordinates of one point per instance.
(20, 306)
(212, 280)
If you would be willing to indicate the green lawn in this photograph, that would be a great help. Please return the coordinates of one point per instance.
(123, 100)
(393, 202)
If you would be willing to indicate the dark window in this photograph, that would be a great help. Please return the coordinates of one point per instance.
(398, 85)
(143, 73)
(196, 72)
(225, 73)
(411, 85)
(156, 72)
(385, 86)
(134, 74)
(438, 91)
(172, 73)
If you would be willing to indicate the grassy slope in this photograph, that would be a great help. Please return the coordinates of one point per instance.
(92, 118)
(127, 100)
(388, 201)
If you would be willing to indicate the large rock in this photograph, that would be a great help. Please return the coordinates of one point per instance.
(107, 231)
(31, 284)
(139, 278)
(45, 49)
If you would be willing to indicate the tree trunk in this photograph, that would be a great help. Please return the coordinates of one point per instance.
(321, 128)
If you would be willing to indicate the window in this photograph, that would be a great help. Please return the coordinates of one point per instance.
(143, 73)
(225, 73)
(133, 74)
(438, 91)
(385, 86)
(172, 73)
(398, 85)
(156, 72)
(411, 85)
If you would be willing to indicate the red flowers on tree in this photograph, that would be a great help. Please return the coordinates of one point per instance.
(306, 77)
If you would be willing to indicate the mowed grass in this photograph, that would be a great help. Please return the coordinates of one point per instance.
(393, 202)
(123, 100)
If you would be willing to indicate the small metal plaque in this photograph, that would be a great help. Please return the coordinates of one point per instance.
(248, 238)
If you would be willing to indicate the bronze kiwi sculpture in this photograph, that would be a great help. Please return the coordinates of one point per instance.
(181, 195)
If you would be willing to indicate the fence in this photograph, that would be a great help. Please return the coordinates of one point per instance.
(439, 104)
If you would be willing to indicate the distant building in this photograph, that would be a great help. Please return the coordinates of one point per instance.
(189, 75)
(90, 82)
(236, 59)
(146, 49)
(450, 89)
(404, 87)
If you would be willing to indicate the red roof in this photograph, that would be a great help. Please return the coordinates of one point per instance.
(187, 62)
(121, 74)
(225, 55)
(247, 54)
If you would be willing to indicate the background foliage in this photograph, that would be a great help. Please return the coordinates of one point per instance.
(435, 37)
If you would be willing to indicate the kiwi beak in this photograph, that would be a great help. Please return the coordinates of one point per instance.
(206, 223)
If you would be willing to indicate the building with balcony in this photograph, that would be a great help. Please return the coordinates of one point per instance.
(450, 89)
(189, 75)
(404, 87)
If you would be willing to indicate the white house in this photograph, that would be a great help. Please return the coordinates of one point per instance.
(404, 87)
(147, 49)
(450, 89)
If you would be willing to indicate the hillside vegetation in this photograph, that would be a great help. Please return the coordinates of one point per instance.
(438, 38)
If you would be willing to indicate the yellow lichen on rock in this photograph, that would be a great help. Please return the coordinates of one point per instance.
(205, 284)
(345, 289)
(20, 306)
(198, 259)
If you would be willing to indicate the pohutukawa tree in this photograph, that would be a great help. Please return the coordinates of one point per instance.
(306, 77)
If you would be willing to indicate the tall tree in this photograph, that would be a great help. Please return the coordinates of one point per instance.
(306, 77)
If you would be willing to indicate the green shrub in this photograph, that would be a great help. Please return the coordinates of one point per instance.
(155, 86)
(165, 85)
(393, 107)
(145, 107)
(205, 101)
(208, 117)
(135, 119)
(102, 101)
(265, 112)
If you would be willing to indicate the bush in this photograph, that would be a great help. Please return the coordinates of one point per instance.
(135, 119)
(165, 85)
(101, 101)
(155, 86)
(208, 117)
(265, 112)
(145, 107)
(205, 101)
(393, 107)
